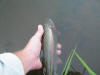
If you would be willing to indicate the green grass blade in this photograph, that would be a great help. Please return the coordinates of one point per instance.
(69, 63)
(85, 65)
(66, 64)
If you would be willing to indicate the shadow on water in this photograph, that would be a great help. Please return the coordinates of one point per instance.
(73, 73)
(36, 72)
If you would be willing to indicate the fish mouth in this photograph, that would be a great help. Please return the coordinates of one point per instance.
(50, 24)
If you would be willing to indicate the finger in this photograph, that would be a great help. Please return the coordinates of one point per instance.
(59, 46)
(39, 64)
(39, 32)
(59, 61)
(58, 52)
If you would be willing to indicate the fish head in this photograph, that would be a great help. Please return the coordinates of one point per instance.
(50, 24)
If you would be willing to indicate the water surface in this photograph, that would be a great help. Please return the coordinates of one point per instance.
(78, 21)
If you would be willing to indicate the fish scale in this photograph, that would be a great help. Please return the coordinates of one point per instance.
(49, 48)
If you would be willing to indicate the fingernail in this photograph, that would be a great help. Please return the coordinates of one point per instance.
(58, 52)
(40, 26)
(59, 46)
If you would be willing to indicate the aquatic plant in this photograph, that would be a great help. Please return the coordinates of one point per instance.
(68, 64)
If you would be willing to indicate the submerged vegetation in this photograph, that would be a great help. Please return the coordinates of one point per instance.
(68, 64)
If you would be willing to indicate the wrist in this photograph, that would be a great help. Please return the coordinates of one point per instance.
(34, 59)
(25, 58)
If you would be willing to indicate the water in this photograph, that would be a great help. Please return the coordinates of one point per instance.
(78, 21)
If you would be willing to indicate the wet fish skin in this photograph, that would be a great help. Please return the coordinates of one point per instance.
(49, 48)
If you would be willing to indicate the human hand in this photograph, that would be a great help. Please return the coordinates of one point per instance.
(58, 52)
(33, 47)
(30, 55)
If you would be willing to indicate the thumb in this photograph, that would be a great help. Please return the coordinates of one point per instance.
(39, 32)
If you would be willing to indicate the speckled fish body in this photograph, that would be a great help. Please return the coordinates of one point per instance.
(49, 49)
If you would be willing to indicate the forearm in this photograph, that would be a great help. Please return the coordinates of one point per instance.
(26, 59)
(10, 64)
(30, 55)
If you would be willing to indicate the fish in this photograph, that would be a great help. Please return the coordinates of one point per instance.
(49, 43)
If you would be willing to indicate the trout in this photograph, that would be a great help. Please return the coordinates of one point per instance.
(49, 43)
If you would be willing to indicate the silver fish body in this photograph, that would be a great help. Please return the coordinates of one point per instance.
(49, 49)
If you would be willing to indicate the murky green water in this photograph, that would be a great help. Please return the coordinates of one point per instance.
(77, 21)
